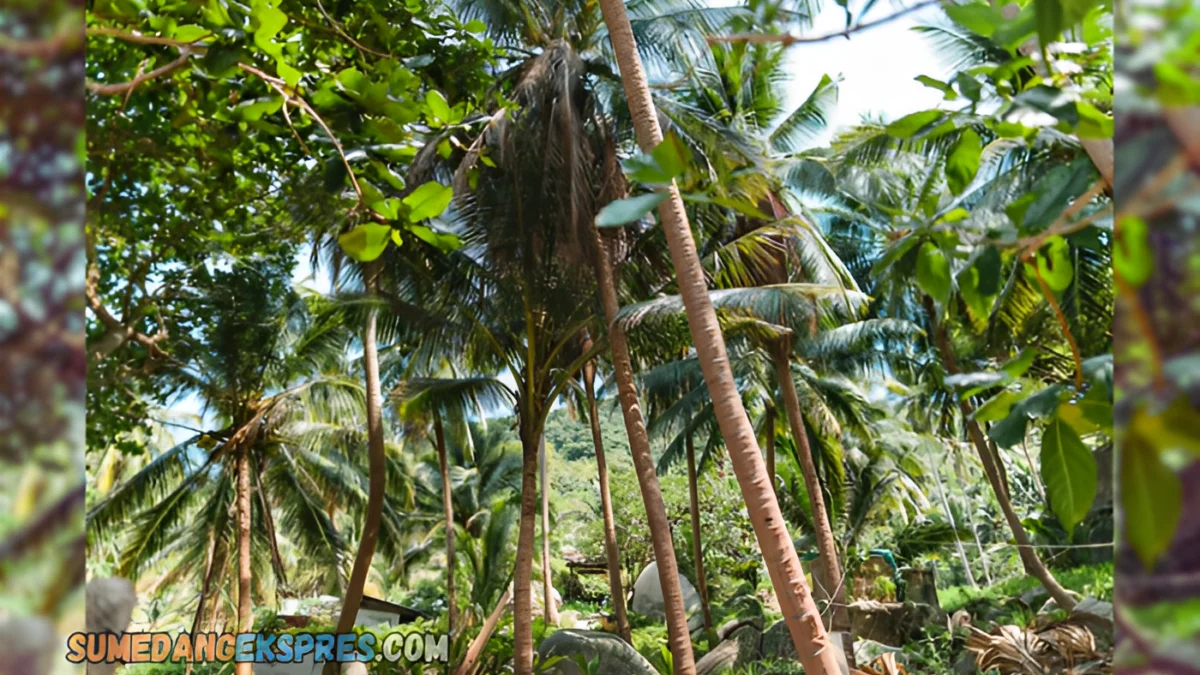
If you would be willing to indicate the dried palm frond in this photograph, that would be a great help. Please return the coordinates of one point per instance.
(884, 665)
(1066, 646)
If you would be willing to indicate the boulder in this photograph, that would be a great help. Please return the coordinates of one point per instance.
(616, 657)
(30, 646)
(110, 604)
(647, 597)
(1094, 607)
(739, 649)
(890, 623)
(1052, 606)
(777, 642)
(727, 629)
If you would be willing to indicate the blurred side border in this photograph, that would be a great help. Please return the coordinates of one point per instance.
(42, 332)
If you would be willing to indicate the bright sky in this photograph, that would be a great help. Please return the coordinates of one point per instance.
(878, 67)
(878, 64)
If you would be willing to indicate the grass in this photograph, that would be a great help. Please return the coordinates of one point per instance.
(1089, 580)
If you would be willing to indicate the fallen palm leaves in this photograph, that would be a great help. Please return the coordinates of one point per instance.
(1066, 646)
(884, 665)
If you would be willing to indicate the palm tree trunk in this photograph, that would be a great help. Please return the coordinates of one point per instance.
(1029, 558)
(245, 609)
(783, 565)
(448, 514)
(523, 572)
(678, 637)
(962, 554)
(826, 544)
(467, 667)
(549, 607)
(697, 547)
(377, 467)
(611, 552)
(770, 442)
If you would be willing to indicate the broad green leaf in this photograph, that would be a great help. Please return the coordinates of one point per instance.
(629, 210)
(1069, 472)
(365, 242)
(475, 26)
(1050, 20)
(955, 215)
(270, 22)
(443, 241)
(428, 201)
(388, 208)
(933, 83)
(933, 272)
(1132, 258)
(671, 155)
(997, 407)
(1092, 122)
(978, 17)
(190, 32)
(963, 163)
(975, 382)
(979, 306)
(645, 170)
(438, 106)
(1011, 430)
(1055, 190)
(970, 87)
(1151, 498)
(909, 125)
(990, 267)
(1054, 264)
(1020, 364)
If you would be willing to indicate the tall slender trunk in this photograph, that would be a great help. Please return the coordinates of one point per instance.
(962, 554)
(769, 437)
(611, 553)
(245, 609)
(1029, 558)
(467, 667)
(678, 636)
(549, 607)
(783, 565)
(448, 514)
(523, 567)
(823, 530)
(377, 467)
(697, 546)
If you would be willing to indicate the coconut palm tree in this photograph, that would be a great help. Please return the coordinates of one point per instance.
(906, 182)
(780, 556)
(429, 401)
(267, 364)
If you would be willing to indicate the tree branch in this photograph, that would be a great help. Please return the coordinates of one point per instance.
(119, 88)
(143, 39)
(788, 40)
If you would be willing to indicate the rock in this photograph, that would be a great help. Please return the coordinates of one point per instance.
(964, 663)
(616, 657)
(110, 604)
(30, 646)
(568, 619)
(777, 642)
(741, 648)
(732, 625)
(723, 657)
(866, 651)
(1094, 607)
(648, 599)
(1035, 597)
(1052, 606)
(891, 623)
